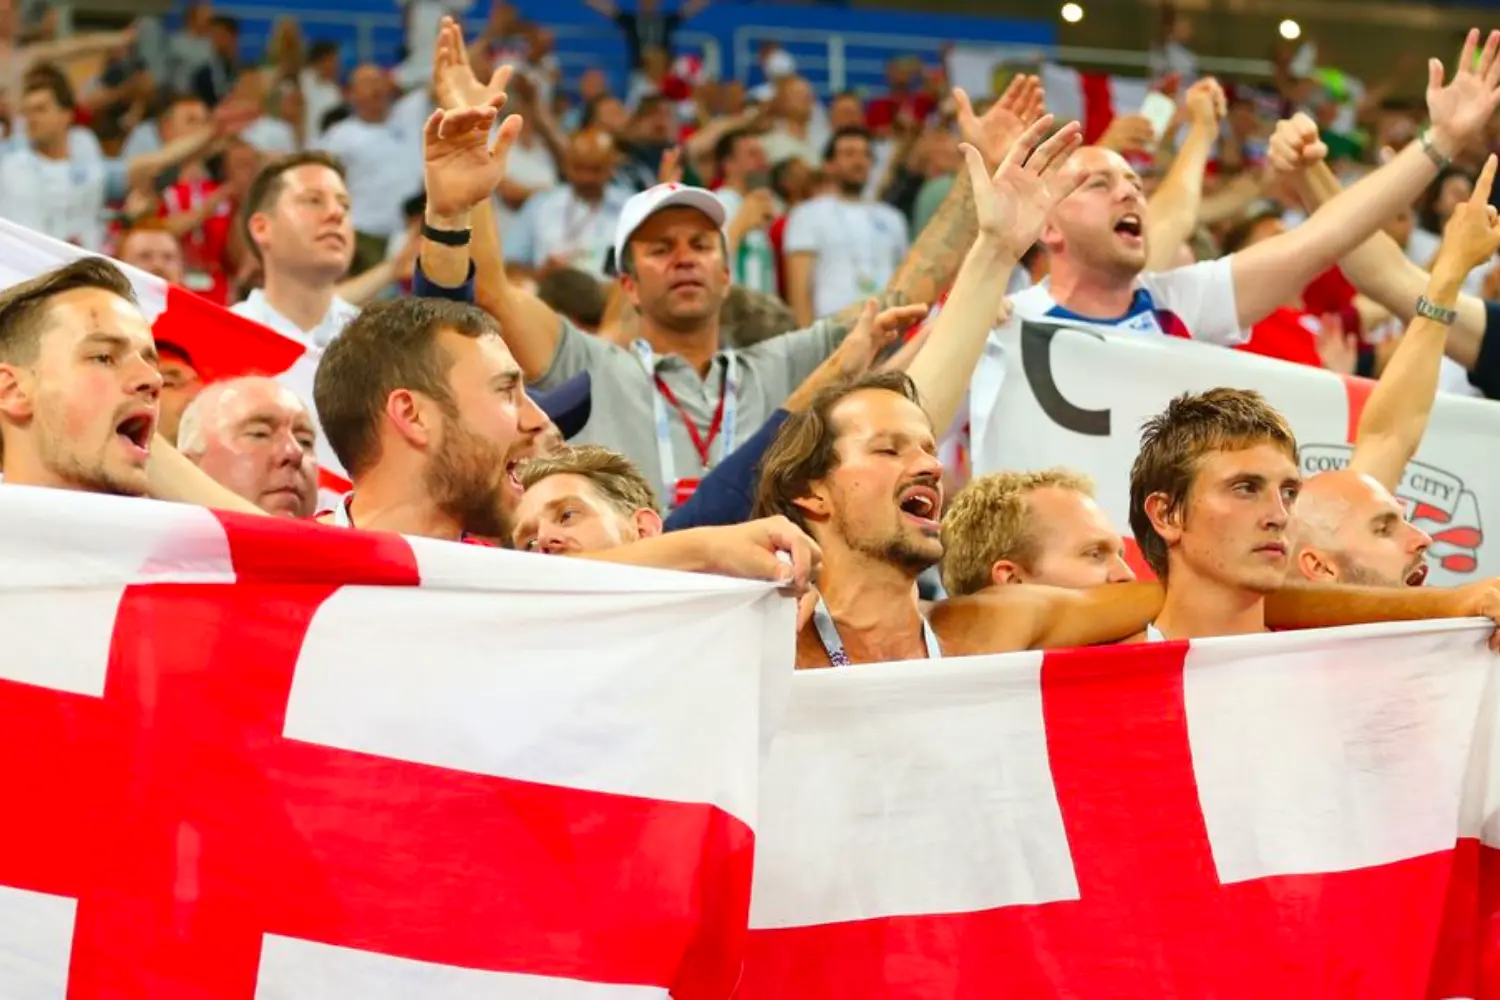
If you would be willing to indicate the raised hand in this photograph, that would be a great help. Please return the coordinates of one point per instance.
(1461, 109)
(1206, 103)
(1129, 134)
(1295, 145)
(1337, 348)
(460, 165)
(875, 331)
(994, 132)
(454, 85)
(1472, 234)
(1013, 202)
(670, 169)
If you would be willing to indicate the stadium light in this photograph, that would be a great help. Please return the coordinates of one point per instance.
(1290, 30)
(1072, 13)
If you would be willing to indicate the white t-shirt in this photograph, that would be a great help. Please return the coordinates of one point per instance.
(339, 314)
(557, 223)
(271, 135)
(1196, 301)
(384, 165)
(754, 263)
(63, 199)
(859, 245)
(531, 167)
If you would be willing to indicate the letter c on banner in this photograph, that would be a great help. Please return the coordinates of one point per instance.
(1036, 362)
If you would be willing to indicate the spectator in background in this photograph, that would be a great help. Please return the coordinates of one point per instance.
(793, 182)
(530, 170)
(794, 133)
(744, 179)
(298, 225)
(192, 48)
(575, 294)
(572, 225)
(286, 51)
(382, 153)
(180, 385)
(216, 77)
(152, 248)
(647, 136)
(749, 317)
(319, 81)
(253, 436)
(1171, 53)
(647, 27)
(277, 130)
(842, 248)
(902, 99)
(55, 182)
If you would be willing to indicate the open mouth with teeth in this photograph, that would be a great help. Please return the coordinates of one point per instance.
(513, 477)
(135, 431)
(923, 505)
(1130, 227)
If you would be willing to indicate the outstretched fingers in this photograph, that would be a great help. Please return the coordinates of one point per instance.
(1022, 149)
(1052, 154)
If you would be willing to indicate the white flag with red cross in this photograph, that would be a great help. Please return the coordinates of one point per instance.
(1297, 815)
(221, 344)
(245, 757)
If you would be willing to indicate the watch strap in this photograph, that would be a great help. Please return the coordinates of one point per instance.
(1428, 309)
(448, 237)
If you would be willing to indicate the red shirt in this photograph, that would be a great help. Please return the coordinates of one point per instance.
(204, 248)
(1286, 334)
(1330, 292)
(882, 111)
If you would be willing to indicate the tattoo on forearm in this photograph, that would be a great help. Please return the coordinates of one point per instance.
(934, 259)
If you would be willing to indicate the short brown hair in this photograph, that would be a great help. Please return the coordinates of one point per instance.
(1175, 441)
(990, 520)
(390, 345)
(24, 307)
(271, 181)
(803, 450)
(51, 78)
(612, 474)
(575, 294)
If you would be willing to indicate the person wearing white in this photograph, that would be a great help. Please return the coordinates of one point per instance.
(744, 179)
(529, 171)
(321, 92)
(300, 229)
(381, 152)
(573, 225)
(1095, 242)
(54, 184)
(841, 248)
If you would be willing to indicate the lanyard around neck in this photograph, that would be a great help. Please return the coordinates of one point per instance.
(828, 632)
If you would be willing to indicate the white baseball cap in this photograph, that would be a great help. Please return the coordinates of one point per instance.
(641, 207)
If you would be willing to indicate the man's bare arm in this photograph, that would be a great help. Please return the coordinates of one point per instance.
(1010, 618)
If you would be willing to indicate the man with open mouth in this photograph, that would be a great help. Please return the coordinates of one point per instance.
(80, 388)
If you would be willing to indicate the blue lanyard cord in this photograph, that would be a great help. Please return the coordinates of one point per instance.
(834, 646)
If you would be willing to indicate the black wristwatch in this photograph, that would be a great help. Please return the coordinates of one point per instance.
(1427, 309)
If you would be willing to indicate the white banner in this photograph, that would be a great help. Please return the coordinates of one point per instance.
(1078, 399)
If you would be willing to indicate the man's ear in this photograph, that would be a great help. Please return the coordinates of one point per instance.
(1165, 519)
(816, 504)
(1004, 571)
(1310, 564)
(412, 416)
(648, 523)
(16, 400)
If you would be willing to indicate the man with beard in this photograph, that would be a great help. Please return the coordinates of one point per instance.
(1094, 240)
(255, 437)
(79, 385)
(858, 472)
(841, 247)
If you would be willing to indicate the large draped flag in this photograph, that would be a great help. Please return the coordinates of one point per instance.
(221, 344)
(243, 757)
(1308, 816)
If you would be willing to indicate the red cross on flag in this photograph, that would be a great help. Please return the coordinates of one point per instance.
(1300, 815)
(243, 757)
(222, 344)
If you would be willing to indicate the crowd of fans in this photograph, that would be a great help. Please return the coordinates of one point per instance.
(694, 327)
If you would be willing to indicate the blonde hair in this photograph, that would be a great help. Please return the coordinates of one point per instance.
(612, 474)
(990, 520)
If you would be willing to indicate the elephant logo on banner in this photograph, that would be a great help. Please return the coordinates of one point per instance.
(1036, 361)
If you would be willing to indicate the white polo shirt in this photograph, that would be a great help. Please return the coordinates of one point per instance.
(339, 314)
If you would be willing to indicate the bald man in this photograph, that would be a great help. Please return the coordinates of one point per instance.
(1352, 530)
(255, 437)
(1095, 239)
(572, 225)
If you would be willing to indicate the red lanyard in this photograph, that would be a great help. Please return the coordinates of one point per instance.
(703, 446)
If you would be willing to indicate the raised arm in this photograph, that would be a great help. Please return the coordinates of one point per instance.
(1377, 267)
(530, 327)
(228, 119)
(1395, 418)
(1172, 211)
(461, 168)
(1269, 272)
(1011, 206)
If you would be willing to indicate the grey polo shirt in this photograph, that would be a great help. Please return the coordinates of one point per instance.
(623, 415)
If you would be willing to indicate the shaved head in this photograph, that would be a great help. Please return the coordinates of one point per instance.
(1350, 529)
(1098, 231)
